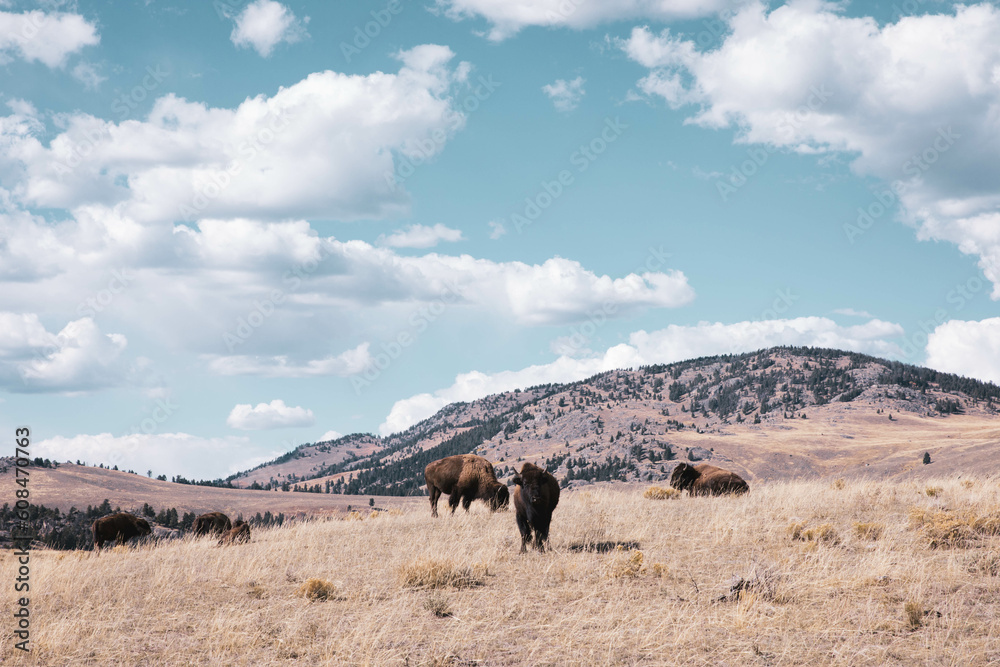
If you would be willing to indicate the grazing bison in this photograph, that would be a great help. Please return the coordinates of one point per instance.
(707, 480)
(119, 528)
(212, 523)
(465, 477)
(536, 494)
(240, 532)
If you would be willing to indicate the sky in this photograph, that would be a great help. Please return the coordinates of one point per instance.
(229, 228)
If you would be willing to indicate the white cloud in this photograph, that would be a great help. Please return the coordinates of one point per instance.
(914, 103)
(675, 343)
(324, 148)
(970, 348)
(269, 415)
(48, 38)
(164, 453)
(421, 236)
(87, 74)
(77, 359)
(264, 24)
(851, 312)
(330, 435)
(507, 17)
(565, 95)
(497, 229)
(344, 364)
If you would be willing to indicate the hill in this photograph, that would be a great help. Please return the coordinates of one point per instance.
(780, 413)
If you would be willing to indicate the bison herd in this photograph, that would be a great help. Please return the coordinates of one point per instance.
(122, 527)
(464, 477)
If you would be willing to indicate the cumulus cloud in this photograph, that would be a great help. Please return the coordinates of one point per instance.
(421, 236)
(497, 229)
(264, 24)
(675, 343)
(87, 74)
(79, 358)
(187, 161)
(912, 102)
(46, 37)
(508, 17)
(163, 453)
(970, 348)
(330, 435)
(343, 364)
(565, 95)
(269, 415)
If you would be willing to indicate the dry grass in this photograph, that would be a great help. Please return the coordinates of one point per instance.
(318, 589)
(697, 581)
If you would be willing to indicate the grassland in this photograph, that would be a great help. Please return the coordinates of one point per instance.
(795, 573)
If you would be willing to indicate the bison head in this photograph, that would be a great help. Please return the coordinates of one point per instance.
(143, 527)
(683, 477)
(500, 499)
(531, 479)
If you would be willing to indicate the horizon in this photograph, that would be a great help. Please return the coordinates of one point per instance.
(231, 229)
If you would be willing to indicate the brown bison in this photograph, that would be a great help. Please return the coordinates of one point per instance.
(119, 528)
(212, 523)
(465, 477)
(707, 480)
(536, 494)
(239, 533)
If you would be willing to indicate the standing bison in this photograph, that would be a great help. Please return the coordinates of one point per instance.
(240, 532)
(119, 528)
(212, 523)
(536, 494)
(465, 477)
(707, 480)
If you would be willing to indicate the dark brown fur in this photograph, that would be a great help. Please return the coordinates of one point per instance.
(240, 532)
(119, 528)
(212, 523)
(707, 480)
(536, 494)
(465, 477)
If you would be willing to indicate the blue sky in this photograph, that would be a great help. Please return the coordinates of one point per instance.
(227, 229)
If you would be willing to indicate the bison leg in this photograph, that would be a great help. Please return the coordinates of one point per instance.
(467, 501)
(435, 493)
(541, 533)
(525, 528)
(453, 500)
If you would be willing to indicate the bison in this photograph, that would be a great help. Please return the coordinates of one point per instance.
(119, 528)
(465, 477)
(212, 523)
(707, 480)
(240, 532)
(536, 494)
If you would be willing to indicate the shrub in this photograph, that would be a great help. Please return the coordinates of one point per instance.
(821, 533)
(933, 491)
(661, 493)
(947, 529)
(839, 484)
(318, 589)
(914, 612)
(626, 564)
(438, 605)
(868, 531)
(431, 573)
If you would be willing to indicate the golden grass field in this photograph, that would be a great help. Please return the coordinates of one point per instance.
(834, 572)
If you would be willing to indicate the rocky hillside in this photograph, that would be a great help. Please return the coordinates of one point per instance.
(777, 413)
